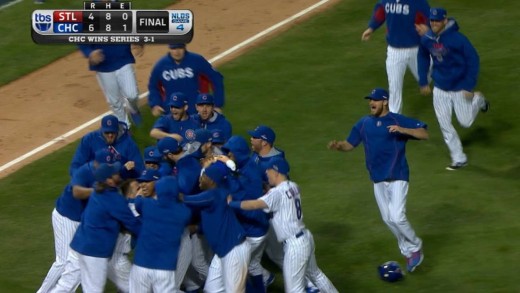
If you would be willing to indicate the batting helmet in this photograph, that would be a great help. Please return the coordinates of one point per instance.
(390, 271)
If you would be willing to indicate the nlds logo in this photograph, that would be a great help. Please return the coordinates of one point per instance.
(42, 21)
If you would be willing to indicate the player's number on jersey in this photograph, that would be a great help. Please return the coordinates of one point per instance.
(298, 204)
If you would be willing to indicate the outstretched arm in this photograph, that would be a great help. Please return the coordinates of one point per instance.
(419, 133)
(342, 146)
(249, 204)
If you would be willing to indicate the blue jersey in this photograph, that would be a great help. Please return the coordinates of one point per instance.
(401, 17)
(66, 204)
(219, 222)
(187, 170)
(163, 225)
(384, 151)
(217, 121)
(124, 148)
(101, 222)
(116, 56)
(168, 77)
(185, 128)
(455, 60)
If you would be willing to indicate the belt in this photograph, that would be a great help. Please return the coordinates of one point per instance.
(297, 235)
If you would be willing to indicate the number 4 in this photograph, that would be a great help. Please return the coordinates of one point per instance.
(91, 16)
(180, 27)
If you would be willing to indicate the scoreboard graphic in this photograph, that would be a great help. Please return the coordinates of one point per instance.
(111, 23)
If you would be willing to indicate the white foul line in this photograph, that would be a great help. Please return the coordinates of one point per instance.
(216, 58)
(10, 4)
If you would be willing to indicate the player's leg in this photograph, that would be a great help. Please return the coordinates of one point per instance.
(119, 265)
(163, 281)
(93, 273)
(396, 62)
(64, 230)
(466, 109)
(409, 243)
(383, 202)
(184, 258)
(256, 270)
(215, 279)
(314, 273)
(71, 277)
(234, 267)
(273, 248)
(110, 87)
(140, 280)
(297, 252)
(412, 62)
(128, 86)
(443, 106)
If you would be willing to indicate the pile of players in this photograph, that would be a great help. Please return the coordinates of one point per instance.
(198, 209)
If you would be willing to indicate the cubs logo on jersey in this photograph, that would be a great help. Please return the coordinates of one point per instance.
(397, 8)
(178, 73)
(189, 134)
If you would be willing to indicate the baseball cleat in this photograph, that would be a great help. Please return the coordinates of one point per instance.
(312, 290)
(414, 261)
(456, 166)
(486, 106)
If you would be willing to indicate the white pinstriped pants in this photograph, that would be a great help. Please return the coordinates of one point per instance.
(300, 263)
(64, 229)
(151, 280)
(466, 110)
(397, 60)
(229, 273)
(391, 200)
(120, 90)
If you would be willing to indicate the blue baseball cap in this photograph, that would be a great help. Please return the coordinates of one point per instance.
(149, 175)
(218, 172)
(168, 145)
(202, 135)
(177, 45)
(378, 94)
(177, 100)
(279, 165)
(151, 155)
(217, 136)
(204, 99)
(263, 132)
(110, 123)
(105, 171)
(438, 13)
(105, 156)
(167, 188)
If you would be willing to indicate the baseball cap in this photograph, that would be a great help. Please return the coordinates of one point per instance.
(202, 135)
(177, 45)
(168, 145)
(167, 188)
(378, 94)
(217, 136)
(217, 171)
(149, 175)
(279, 165)
(438, 13)
(110, 123)
(152, 155)
(204, 99)
(263, 132)
(105, 171)
(105, 156)
(177, 100)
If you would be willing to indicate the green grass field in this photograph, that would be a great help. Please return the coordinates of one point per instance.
(308, 84)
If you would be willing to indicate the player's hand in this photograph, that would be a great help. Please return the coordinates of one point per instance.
(229, 198)
(333, 145)
(468, 95)
(367, 34)
(96, 57)
(130, 165)
(425, 90)
(394, 128)
(421, 29)
(157, 111)
(137, 50)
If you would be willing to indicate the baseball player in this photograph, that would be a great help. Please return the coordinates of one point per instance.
(225, 235)
(186, 72)
(405, 19)
(255, 223)
(163, 222)
(66, 217)
(455, 71)
(284, 200)
(115, 137)
(115, 73)
(96, 237)
(209, 118)
(152, 158)
(178, 124)
(217, 142)
(201, 145)
(384, 135)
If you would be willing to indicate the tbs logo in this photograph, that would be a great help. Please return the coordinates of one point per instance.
(42, 21)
